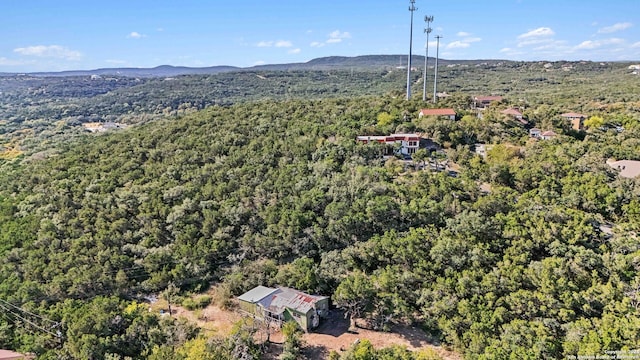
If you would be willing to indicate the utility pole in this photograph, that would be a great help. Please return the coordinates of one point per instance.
(412, 8)
(435, 78)
(427, 30)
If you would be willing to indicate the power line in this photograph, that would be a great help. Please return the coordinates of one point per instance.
(27, 312)
(58, 335)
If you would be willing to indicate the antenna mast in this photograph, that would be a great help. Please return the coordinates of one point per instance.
(435, 78)
(427, 30)
(412, 8)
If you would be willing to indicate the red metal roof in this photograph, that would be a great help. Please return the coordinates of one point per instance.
(512, 111)
(292, 299)
(438, 112)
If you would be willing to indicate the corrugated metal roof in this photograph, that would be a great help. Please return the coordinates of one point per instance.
(276, 300)
(256, 294)
(293, 299)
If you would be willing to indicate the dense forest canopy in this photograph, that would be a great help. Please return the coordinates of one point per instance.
(529, 252)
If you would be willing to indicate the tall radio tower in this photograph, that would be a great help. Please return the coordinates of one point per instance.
(427, 30)
(435, 78)
(412, 8)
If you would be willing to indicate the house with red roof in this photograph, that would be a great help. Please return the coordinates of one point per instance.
(576, 119)
(408, 143)
(513, 112)
(547, 135)
(543, 135)
(285, 304)
(446, 112)
(483, 102)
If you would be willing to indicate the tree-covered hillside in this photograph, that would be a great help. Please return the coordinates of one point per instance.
(38, 112)
(531, 252)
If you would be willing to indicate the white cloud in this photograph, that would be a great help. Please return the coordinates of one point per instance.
(283, 43)
(506, 50)
(135, 35)
(541, 38)
(294, 51)
(594, 44)
(333, 38)
(337, 36)
(615, 27)
(279, 44)
(463, 43)
(259, 62)
(49, 51)
(636, 45)
(458, 45)
(539, 32)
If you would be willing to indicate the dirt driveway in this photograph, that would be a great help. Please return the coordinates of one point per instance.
(332, 334)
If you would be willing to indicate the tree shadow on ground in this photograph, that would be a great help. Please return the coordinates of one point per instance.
(415, 336)
(335, 324)
(315, 352)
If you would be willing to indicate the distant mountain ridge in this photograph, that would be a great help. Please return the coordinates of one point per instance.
(323, 63)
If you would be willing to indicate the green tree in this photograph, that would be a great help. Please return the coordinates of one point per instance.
(354, 295)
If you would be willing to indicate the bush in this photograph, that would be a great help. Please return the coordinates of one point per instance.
(189, 304)
(203, 301)
(198, 303)
(222, 297)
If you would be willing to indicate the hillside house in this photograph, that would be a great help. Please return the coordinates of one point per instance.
(542, 135)
(284, 304)
(408, 143)
(448, 113)
(577, 120)
(514, 113)
(548, 135)
(483, 102)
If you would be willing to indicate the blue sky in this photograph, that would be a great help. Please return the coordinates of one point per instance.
(47, 35)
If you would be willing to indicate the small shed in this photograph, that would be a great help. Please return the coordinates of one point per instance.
(284, 304)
